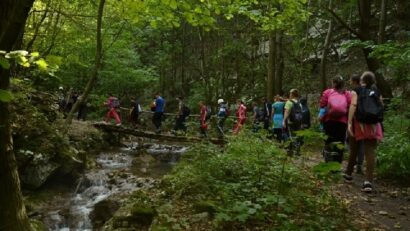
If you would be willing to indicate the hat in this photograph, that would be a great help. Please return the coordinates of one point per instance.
(220, 101)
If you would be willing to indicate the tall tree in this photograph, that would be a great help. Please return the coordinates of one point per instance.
(326, 45)
(97, 65)
(365, 34)
(13, 217)
(271, 66)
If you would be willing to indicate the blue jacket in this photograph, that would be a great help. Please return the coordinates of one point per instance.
(159, 104)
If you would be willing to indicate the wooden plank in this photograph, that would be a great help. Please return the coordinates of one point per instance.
(152, 135)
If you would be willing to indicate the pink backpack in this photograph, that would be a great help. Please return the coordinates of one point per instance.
(336, 105)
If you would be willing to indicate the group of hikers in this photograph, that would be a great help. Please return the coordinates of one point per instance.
(346, 116)
(67, 100)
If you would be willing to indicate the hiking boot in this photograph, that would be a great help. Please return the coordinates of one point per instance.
(367, 187)
(359, 169)
(348, 178)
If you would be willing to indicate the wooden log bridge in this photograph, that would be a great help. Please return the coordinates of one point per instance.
(152, 135)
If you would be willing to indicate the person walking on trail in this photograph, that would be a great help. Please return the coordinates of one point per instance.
(61, 99)
(158, 108)
(182, 114)
(203, 118)
(267, 113)
(240, 116)
(82, 109)
(292, 121)
(355, 83)
(222, 114)
(113, 104)
(336, 100)
(135, 111)
(305, 113)
(278, 108)
(257, 116)
(364, 124)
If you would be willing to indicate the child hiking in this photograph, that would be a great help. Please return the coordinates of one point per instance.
(113, 104)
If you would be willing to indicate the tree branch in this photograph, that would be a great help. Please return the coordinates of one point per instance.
(344, 24)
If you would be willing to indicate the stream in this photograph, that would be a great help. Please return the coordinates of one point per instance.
(120, 172)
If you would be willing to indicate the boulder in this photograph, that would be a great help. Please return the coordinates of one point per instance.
(35, 174)
(103, 211)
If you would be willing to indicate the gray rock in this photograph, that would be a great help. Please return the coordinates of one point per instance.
(103, 211)
(35, 175)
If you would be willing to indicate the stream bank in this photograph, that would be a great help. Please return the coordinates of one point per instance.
(100, 191)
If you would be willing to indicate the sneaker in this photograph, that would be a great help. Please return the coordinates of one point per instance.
(348, 178)
(118, 124)
(367, 187)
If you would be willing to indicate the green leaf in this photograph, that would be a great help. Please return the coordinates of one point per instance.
(5, 96)
(23, 61)
(41, 64)
(173, 4)
(4, 63)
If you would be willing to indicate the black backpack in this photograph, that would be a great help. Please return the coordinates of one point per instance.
(296, 115)
(208, 113)
(369, 106)
(186, 111)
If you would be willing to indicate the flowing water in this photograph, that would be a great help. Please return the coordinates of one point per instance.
(120, 171)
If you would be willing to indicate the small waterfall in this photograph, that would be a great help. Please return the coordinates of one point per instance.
(116, 174)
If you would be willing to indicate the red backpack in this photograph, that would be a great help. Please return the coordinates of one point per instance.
(337, 105)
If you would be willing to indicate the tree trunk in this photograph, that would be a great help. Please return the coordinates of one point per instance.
(37, 27)
(365, 35)
(97, 67)
(13, 216)
(382, 22)
(402, 14)
(279, 64)
(271, 66)
(323, 61)
(203, 67)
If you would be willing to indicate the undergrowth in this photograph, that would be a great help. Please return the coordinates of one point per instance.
(250, 184)
(394, 151)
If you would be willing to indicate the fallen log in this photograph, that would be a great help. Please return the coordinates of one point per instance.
(152, 135)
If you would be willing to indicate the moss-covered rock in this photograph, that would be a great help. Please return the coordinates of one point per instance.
(37, 225)
(142, 214)
(103, 211)
(205, 206)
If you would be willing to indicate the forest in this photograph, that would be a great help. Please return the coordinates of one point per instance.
(194, 87)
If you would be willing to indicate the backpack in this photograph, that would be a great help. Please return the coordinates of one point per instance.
(208, 112)
(185, 111)
(223, 111)
(369, 107)
(337, 105)
(296, 115)
(305, 117)
(115, 102)
(260, 115)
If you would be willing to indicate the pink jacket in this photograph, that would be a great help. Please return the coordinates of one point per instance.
(241, 113)
(324, 100)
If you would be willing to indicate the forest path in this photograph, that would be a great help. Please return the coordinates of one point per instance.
(386, 208)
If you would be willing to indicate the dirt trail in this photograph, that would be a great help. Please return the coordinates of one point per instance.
(386, 208)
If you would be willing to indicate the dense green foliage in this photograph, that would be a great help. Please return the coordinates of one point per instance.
(251, 183)
(394, 151)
